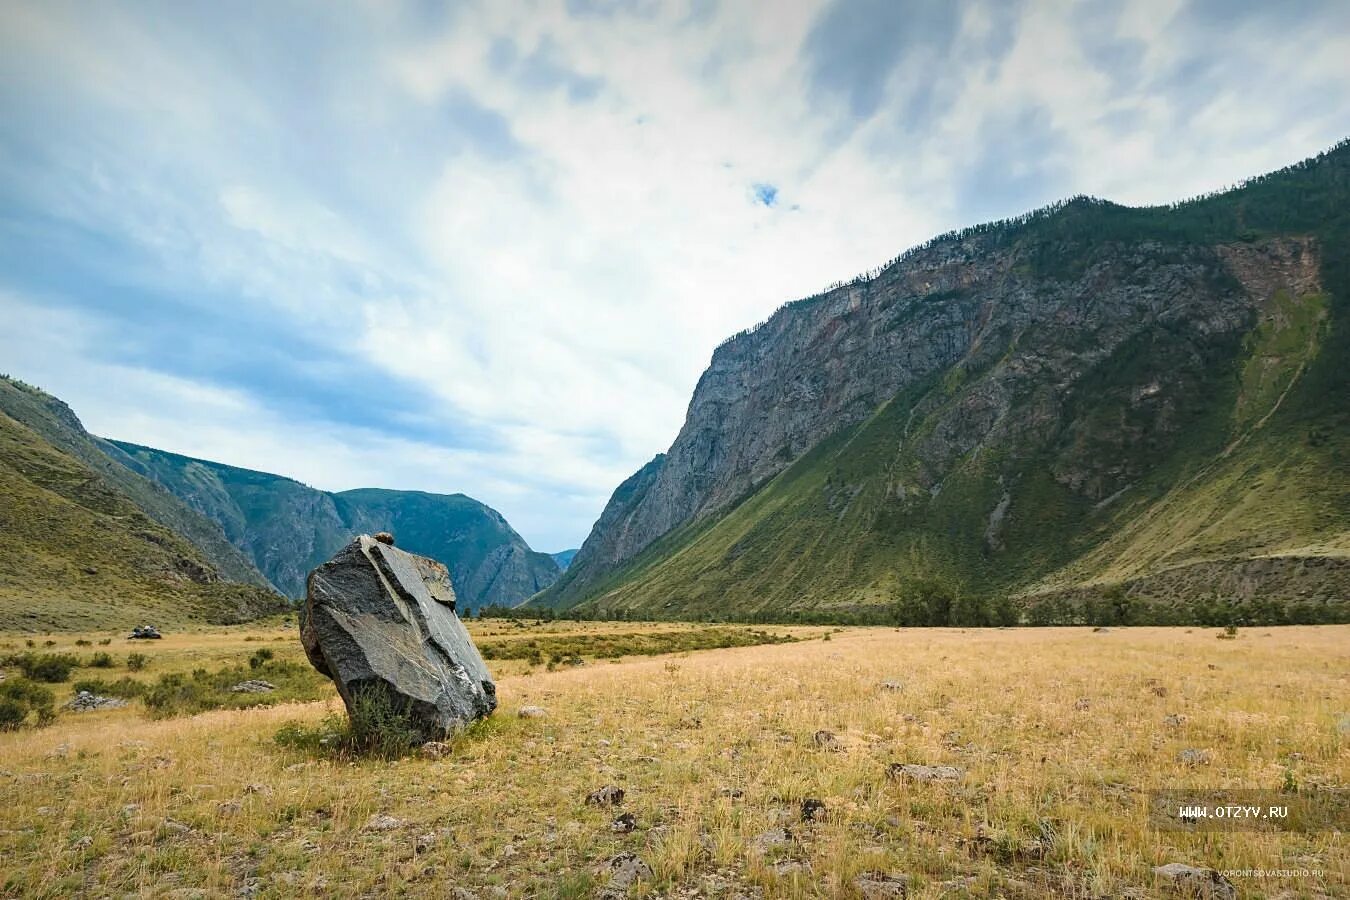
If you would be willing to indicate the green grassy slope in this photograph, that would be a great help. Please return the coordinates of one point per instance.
(81, 554)
(55, 423)
(1249, 457)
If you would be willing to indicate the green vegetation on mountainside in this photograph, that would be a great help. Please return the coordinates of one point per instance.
(54, 422)
(79, 553)
(1245, 455)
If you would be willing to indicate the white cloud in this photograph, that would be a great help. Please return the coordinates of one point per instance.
(552, 267)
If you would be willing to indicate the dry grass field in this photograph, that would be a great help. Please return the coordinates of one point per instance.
(1059, 733)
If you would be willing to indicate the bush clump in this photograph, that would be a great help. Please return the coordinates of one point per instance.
(52, 668)
(21, 699)
(177, 694)
(137, 661)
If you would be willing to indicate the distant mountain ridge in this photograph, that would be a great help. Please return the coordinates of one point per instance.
(91, 544)
(563, 558)
(1088, 401)
(287, 528)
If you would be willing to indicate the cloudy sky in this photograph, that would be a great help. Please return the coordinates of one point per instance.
(490, 247)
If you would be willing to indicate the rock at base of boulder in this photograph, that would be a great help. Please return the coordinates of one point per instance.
(381, 623)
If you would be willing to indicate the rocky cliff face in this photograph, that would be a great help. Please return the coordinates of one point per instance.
(288, 528)
(1063, 360)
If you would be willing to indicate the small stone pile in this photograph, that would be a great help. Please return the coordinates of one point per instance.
(87, 700)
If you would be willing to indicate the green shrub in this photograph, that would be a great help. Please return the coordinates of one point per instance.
(177, 694)
(105, 642)
(257, 660)
(20, 699)
(82, 643)
(101, 661)
(379, 725)
(137, 661)
(49, 667)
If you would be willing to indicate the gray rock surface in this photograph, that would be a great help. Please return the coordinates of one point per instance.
(86, 700)
(379, 618)
(254, 686)
(1196, 882)
(916, 772)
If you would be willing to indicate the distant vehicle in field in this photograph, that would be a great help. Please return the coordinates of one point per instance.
(144, 633)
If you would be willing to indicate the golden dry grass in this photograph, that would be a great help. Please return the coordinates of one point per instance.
(714, 749)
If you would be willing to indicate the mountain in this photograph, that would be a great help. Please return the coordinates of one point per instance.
(287, 528)
(1089, 403)
(55, 422)
(563, 558)
(89, 544)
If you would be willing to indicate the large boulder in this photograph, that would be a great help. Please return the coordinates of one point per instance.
(377, 618)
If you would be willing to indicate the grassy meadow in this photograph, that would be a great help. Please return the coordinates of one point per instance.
(1059, 734)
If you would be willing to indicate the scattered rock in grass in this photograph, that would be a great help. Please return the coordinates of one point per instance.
(1343, 724)
(1212, 667)
(1174, 720)
(171, 826)
(381, 822)
(624, 870)
(462, 893)
(1193, 757)
(254, 686)
(435, 749)
(1196, 882)
(892, 686)
(1082, 703)
(532, 712)
(825, 740)
(731, 793)
(916, 772)
(881, 886)
(1159, 690)
(789, 867)
(82, 843)
(609, 795)
(87, 700)
(258, 788)
(624, 824)
(772, 839)
(813, 810)
(228, 807)
(425, 842)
